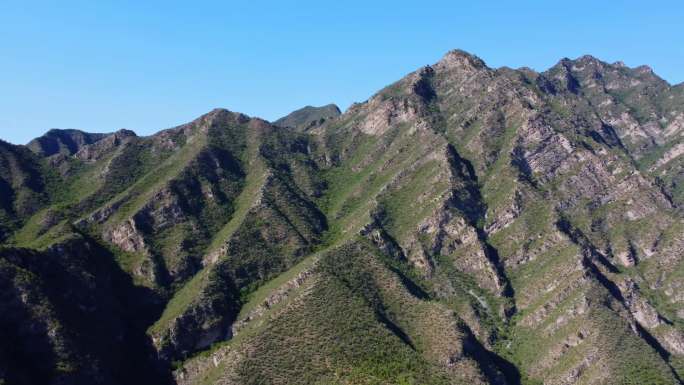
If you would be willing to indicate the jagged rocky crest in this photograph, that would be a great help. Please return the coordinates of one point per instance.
(464, 225)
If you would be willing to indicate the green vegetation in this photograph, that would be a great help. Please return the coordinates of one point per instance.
(464, 226)
(357, 345)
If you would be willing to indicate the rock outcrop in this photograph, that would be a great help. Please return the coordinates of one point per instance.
(465, 224)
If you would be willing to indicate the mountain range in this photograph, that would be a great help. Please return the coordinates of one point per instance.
(464, 225)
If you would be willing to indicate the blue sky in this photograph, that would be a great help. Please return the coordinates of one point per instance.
(147, 65)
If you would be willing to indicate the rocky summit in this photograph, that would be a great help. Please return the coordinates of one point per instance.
(464, 225)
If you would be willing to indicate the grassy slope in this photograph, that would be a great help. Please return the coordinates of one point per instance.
(255, 177)
(344, 286)
(357, 348)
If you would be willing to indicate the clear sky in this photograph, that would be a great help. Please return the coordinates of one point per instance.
(148, 65)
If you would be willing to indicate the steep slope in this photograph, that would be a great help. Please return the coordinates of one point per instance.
(274, 225)
(464, 225)
(24, 185)
(219, 204)
(391, 332)
(490, 197)
(70, 315)
(637, 108)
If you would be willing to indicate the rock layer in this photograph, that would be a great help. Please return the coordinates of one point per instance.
(464, 225)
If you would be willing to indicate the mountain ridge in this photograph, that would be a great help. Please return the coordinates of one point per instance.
(474, 225)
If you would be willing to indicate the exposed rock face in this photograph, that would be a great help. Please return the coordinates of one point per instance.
(127, 237)
(197, 369)
(95, 151)
(464, 225)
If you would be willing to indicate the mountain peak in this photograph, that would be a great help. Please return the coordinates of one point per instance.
(459, 59)
(123, 132)
(644, 69)
(221, 115)
(308, 117)
(580, 63)
(66, 141)
(588, 59)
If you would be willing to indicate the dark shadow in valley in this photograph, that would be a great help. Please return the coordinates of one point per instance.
(467, 198)
(653, 343)
(492, 365)
(396, 330)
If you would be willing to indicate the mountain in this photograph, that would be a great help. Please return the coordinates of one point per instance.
(66, 142)
(463, 225)
(23, 184)
(308, 117)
